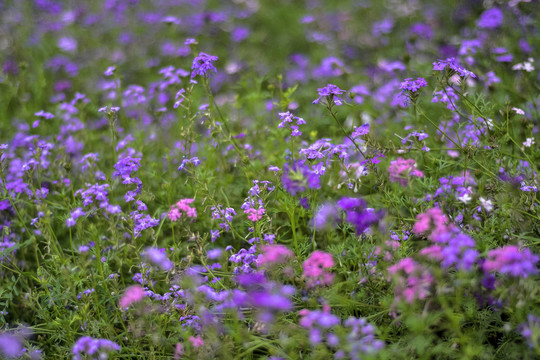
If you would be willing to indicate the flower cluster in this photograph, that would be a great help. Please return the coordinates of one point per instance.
(453, 67)
(182, 206)
(288, 119)
(158, 258)
(131, 295)
(453, 249)
(412, 280)
(401, 169)
(96, 348)
(433, 222)
(225, 216)
(512, 261)
(203, 65)
(253, 205)
(358, 215)
(274, 254)
(330, 93)
(315, 269)
(299, 177)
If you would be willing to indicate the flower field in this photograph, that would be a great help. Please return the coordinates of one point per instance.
(269, 179)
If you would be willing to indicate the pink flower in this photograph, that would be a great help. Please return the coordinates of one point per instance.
(132, 295)
(274, 254)
(196, 341)
(182, 206)
(255, 214)
(315, 269)
(412, 281)
(433, 221)
(401, 169)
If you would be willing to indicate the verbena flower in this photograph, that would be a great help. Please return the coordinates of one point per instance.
(360, 131)
(358, 215)
(274, 254)
(299, 177)
(412, 85)
(289, 119)
(315, 269)
(10, 345)
(131, 295)
(412, 280)
(182, 207)
(97, 348)
(452, 65)
(510, 260)
(330, 93)
(401, 169)
(157, 257)
(530, 330)
(433, 222)
(203, 65)
(490, 19)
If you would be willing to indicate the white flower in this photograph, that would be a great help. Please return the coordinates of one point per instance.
(529, 142)
(465, 196)
(518, 111)
(525, 66)
(486, 204)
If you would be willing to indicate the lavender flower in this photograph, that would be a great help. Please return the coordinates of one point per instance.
(452, 66)
(96, 347)
(10, 345)
(412, 85)
(203, 64)
(157, 257)
(357, 213)
(512, 261)
(299, 177)
(329, 93)
(490, 19)
(530, 330)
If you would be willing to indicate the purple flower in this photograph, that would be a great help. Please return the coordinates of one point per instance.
(490, 19)
(110, 70)
(453, 66)
(299, 177)
(512, 261)
(413, 85)
(358, 215)
(10, 345)
(530, 330)
(203, 64)
(91, 346)
(329, 93)
(157, 257)
(326, 216)
(360, 131)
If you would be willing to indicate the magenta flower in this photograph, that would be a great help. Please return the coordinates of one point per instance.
(196, 341)
(401, 169)
(315, 269)
(274, 254)
(254, 214)
(512, 261)
(132, 295)
(182, 206)
(434, 223)
(412, 280)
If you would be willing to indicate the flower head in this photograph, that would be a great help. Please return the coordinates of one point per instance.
(203, 64)
(512, 261)
(329, 93)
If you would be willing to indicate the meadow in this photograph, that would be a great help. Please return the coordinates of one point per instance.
(269, 179)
